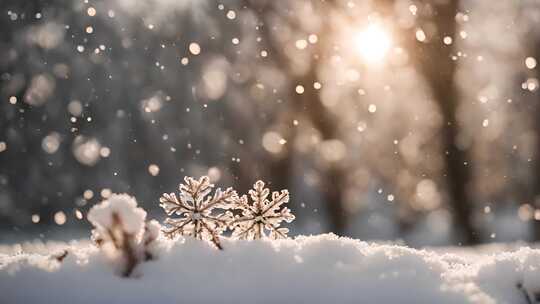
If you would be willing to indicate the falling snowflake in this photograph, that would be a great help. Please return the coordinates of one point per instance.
(262, 215)
(195, 206)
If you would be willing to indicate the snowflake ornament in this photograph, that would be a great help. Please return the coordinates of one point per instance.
(195, 207)
(262, 215)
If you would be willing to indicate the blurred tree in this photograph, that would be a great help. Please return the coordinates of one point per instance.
(533, 193)
(435, 60)
(308, 105)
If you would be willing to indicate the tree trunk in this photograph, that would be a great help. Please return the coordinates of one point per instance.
(434, 61)
(309, 105)
(333, 175)
(535, 193)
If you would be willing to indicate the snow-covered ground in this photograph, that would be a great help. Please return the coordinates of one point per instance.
(307, 269)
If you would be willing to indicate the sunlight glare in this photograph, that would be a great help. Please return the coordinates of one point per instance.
(373, 43)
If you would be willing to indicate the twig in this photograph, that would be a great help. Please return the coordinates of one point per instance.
(525, 293)
(60, 257)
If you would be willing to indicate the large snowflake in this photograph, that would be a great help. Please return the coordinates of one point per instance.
(195, 207)
(262, 214)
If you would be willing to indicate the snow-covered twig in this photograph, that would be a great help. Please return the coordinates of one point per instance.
(60, 256)
(525, 293)
(121, 231)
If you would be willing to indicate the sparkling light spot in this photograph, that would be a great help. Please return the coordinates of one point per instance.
(78, 214)
(194, 48)
(91, 11)
(447, 40)
(420, 35)
(88, 194)
(104, 152)
(413, 9)
(361, 126)
(537, 214)
(60, 218)
(301, 44)
(153, 169)
(273, 142)
(214, 174)
(86, 150)
(231, 14)
(530, 62)
(51, 143)
(531, 84)
(75, 108)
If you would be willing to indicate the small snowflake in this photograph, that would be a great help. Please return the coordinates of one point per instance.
(262, 215)
(195, 207)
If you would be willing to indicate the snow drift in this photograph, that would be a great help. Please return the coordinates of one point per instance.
(308, 269)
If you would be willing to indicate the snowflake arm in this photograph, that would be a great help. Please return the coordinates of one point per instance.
(176, 227)
(170, 203)
(221, 199)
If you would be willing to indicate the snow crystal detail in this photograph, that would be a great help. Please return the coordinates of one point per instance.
(195, 207)
(262, 214)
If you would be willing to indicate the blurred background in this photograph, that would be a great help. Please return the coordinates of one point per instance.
(387, 120)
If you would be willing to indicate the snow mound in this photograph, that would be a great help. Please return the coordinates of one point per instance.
(308, 269)
(121, 205)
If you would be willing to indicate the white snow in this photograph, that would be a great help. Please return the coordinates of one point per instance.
(308, 269)
(125, 207)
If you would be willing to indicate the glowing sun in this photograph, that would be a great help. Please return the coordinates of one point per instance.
(373, 42)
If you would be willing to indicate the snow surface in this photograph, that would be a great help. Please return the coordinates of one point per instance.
(307, 269)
